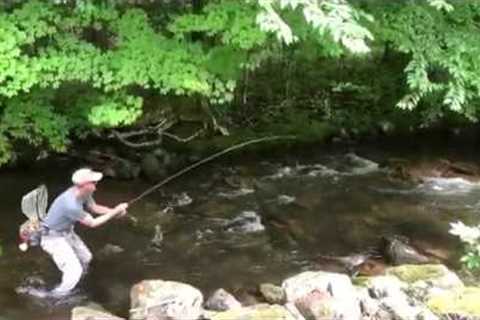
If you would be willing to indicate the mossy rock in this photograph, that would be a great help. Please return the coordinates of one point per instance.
(464, 302)
(256, 312)
(426, 272)
(92, 311)
(361, 281)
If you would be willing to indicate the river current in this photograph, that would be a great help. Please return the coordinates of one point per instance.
(295, 207)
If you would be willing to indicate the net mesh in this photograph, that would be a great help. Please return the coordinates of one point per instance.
(34, 203)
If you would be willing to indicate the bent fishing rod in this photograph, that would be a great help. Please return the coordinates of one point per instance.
(205, 160)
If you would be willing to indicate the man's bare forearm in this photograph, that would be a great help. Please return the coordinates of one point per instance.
(99, 209)
(98, 221)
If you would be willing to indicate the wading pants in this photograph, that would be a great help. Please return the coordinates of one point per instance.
(70, 255)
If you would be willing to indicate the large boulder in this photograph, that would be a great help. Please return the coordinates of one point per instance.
(461, 303)
(92, 311)
(391, 301)
(343, 302)
(427, 279)
(158, 299)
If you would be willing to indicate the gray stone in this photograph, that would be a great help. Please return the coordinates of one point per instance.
(272, 293)
(151, 167)
(221, 300)
(160, 299)
(246, 222)
(344, 303)
(92, 311)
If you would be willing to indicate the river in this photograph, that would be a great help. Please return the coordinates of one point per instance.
(313, 201)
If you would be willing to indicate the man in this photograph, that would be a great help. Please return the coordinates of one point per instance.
(59, 239)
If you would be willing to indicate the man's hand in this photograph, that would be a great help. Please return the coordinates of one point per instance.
(121, 209)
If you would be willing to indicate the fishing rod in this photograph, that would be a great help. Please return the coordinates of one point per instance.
(205, 160)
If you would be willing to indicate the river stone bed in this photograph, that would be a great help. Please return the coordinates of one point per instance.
(407, 292)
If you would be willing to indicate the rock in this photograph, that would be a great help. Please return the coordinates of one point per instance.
(368, 306)
(339, 286)
(398, 252)
(284, 199)
(272, 293)
(350, 264)
(214, 208)
(391, 301)
(433, 275)
(456, 303)
(290, 306)
(246, 222)
(256, 312)
(400, 308)
(161, 299)
(151, 167)
(317, 305)
(181, 200)
(157, 238)
(361, 165)
(221, 300)
(109, 250)
(385, 286)
(124, 169)
(438, 168)
(92, 311)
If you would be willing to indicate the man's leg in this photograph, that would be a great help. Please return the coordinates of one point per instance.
(66, 261)
(81, 250)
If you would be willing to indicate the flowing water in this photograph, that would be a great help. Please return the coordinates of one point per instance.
(327, 201)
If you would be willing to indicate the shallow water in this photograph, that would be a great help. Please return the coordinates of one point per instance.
(311, 203)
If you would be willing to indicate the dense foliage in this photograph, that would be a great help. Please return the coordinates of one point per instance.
(73, 67)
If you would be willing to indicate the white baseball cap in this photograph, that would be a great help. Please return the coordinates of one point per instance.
(85, 175)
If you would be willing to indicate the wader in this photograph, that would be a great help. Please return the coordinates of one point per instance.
(70, 255)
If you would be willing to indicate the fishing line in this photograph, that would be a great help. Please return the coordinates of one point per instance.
(210, 158)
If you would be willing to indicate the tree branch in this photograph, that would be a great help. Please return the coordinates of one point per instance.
(176, 138)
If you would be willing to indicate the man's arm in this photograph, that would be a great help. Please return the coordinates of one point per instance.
(92, 222)
(100, 209)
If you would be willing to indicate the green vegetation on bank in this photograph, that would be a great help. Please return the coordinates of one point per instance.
(70, 69)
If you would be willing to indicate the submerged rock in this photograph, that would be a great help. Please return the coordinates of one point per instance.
(361, 165)
(247, 221)
(437, 168)
(350, 264)
(110, 250)
(92, 311)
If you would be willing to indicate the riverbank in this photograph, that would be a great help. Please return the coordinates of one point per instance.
(407, 292)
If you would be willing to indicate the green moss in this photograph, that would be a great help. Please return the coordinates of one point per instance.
(463, 301)
(361, 281)
(413, 273)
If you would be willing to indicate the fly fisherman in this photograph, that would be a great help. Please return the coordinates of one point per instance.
(59, 239)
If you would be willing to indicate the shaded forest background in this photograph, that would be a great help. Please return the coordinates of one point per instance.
(141, 74)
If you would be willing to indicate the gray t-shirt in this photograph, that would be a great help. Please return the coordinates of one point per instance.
(66, 210)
